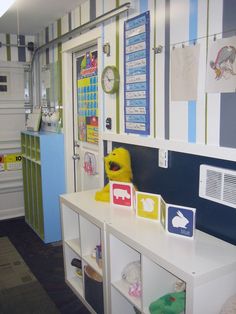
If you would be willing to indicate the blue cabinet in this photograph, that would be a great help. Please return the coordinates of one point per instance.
(44, 180)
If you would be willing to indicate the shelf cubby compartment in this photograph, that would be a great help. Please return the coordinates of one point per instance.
(121, 255)
(71, 229)
(120, 304)
(27, 145)
(90, 238)
(156, 282)
(73, 279)
(23, 144)
(39, 200)
(32, 147)
(37, 149)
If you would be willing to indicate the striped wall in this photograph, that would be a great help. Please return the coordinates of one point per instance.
(209, 120)
(12, 53)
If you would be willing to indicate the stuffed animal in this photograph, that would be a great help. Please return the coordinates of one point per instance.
(171, 303)
(117, 168)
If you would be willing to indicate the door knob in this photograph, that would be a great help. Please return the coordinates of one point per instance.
(76, 157)
(76, 144)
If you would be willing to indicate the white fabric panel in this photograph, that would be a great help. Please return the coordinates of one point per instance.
(3, 49)
(12, 205)
(213, 100)
(134, 9)
(160, 66)
(75, 18)
(123, 17)
(109, 5)
(151, 100)
(179, 25)
(85, 12)
(12, 121)
(14, 50)
(200, 105)
(41, 38)
(64, 24)
(110, 100)
(99, 7)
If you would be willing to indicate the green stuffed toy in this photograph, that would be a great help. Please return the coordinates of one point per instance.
(171, 303)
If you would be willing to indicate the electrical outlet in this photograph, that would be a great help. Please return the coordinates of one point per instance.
(163, 158)
(109, 147)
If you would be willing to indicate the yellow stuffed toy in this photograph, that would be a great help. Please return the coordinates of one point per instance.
(117, 168)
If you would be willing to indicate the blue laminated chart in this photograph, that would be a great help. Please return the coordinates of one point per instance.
(136, 77)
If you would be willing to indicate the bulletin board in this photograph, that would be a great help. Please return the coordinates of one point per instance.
(136, 74)
(87, 105)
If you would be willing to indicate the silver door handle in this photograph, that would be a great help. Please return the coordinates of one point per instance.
(76, 157)
(76, 144)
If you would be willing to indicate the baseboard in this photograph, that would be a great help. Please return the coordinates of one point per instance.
(12, 213)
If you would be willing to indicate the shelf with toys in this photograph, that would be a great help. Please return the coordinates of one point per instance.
(161, 267)
(83, 245)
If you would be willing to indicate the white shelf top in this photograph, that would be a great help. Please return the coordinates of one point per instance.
(197, 260)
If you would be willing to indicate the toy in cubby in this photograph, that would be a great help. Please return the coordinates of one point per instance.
(132, 275)
(97, 254)
(78, 264)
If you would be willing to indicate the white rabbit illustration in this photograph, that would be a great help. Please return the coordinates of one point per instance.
(180, 221)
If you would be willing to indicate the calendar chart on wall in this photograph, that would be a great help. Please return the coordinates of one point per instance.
(87, 97)
(136, 74)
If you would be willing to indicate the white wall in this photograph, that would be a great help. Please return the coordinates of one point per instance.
(12, 121)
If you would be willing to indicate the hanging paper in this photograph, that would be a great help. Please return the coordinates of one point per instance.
(184, 73)
(221, 66)
(136, 74)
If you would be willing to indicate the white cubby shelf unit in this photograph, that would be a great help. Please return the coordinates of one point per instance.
(206, 265)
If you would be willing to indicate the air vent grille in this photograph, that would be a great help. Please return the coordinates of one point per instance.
(213, 184)
(218, 185)
(229, 192)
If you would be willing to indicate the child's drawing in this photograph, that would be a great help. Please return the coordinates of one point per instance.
(221, 66)
(224, 62)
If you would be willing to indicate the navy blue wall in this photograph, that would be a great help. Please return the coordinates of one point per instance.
(179, 185)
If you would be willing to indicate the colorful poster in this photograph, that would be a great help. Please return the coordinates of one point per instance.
(221, 66)
(92, 129)
(184, 73)
(87, 106)
(1, 163)
(136, 74)
(13, 162)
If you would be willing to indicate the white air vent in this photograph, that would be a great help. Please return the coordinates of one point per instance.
(218, 185)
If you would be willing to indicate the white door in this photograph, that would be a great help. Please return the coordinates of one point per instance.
(85, 117)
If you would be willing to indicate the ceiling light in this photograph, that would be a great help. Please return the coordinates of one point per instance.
(5, 5)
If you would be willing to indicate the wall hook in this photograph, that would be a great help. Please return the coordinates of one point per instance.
(158, 49)
(107, 49)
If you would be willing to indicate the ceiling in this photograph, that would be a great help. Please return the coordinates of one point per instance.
(34, 15)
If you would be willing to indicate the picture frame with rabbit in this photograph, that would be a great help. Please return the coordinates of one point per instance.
(180, 220)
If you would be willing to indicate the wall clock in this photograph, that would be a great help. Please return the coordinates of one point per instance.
(110, 79)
